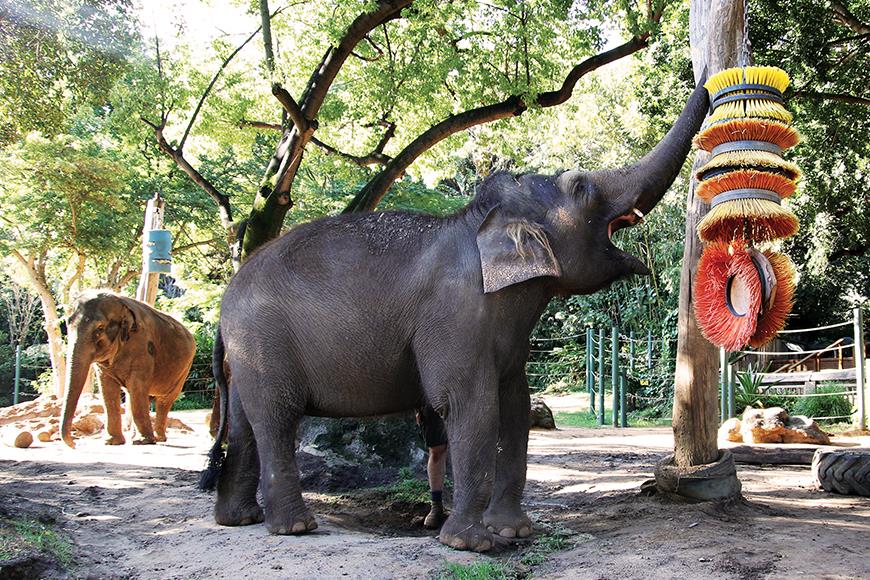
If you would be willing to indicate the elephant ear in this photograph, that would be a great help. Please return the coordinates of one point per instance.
(128, 323)
(513, 250)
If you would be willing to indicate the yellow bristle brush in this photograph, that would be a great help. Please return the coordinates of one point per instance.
(748, 92)
(745, 178)
(751, 219)
(747, 131)
(758, 160)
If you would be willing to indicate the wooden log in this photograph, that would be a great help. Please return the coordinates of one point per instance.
(776, 454)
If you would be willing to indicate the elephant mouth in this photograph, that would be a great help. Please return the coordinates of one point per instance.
(634, 217)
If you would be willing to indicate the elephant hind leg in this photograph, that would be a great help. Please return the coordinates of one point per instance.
(240, 475)
(162, 406)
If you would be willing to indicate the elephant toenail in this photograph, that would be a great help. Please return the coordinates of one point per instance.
(298, 527)
(483, 546)
(525, 531)
(312, 525)
(491, 529)
(281, 531)
(508, 533)
(245, 522)
(458, 543)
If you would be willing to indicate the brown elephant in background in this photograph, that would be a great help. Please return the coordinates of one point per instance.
(135, 347)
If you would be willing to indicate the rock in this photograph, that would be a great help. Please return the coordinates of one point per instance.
(44, 406)
(173, 423)
(46, 435)
(15, 437)
(88, 425)
(801, 429)
(730, 430)
(774, 426)
(540, 414)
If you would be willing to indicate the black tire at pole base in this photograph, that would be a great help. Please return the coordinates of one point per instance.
(711, 482)
(845, 471)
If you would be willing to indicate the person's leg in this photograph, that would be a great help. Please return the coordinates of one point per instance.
(436, 468)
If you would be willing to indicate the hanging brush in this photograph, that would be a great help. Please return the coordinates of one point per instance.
(773, 317)
(747, 214)
(754, 91)
(745, 178)
(728, 294)
(748, 131)
(748, 159)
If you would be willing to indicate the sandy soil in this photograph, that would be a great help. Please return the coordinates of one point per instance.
(133, 512)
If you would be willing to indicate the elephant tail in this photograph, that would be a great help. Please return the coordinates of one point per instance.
(209, 477)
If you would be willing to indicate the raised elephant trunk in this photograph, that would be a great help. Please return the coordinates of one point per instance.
(78, 365)
(651, 177)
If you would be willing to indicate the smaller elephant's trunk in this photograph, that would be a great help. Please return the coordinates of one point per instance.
(78, 365)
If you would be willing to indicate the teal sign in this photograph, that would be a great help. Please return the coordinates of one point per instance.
(158, 249)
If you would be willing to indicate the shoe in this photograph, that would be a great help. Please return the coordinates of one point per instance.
(435, 517)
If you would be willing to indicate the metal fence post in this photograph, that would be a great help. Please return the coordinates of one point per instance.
(731, 403)
(601, 376)
(622, 411)
(649, 349)
(590, 373)
(631, 352)
(17, 374)
(860, 379)
(614, 373)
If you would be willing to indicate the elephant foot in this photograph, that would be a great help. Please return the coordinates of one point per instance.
(239, 517)
(292, 526)
(144, 441)
(508, 523)
(463, 534)
(115, 440)
(160, 438)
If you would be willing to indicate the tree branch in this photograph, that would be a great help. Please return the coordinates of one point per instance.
(259, 125)
(842, 253)
(843, 16)
(374, 158)
(373, 192)
(291, 106)
(842, 97)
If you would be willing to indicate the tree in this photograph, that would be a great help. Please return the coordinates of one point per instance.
(65, 203)
(475, 63)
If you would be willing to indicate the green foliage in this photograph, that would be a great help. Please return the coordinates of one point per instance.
(485, 570)
(22, 536)
(587, 419)
(189, 402)
(547, 542)
(827, 405)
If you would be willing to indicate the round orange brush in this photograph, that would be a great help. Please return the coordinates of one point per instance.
(747, 159)
(773, 317)
(727, 294)
(749, 132)
(745, 178)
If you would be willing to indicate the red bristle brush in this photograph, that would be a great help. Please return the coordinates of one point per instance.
(727, 295)
(773, 317)
(748, 131)
(745, 178)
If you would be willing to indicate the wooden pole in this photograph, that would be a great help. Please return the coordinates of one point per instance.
(147, 290)
(716, 35)
(614, 373)
(860, 379)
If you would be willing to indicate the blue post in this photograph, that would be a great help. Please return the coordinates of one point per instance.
(731, 404)
(622, 412)
(614, 373)
(590, 372)
(601, 376)
(17, 374)
(649, 349)
(631, 352)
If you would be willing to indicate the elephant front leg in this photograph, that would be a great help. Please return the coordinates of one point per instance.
(472, 429)
(504, 516)
(111, 391)
(140, 405)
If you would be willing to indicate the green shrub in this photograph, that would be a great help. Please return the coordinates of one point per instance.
(826, 405)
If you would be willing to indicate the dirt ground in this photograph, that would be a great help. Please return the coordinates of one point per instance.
(134, 512)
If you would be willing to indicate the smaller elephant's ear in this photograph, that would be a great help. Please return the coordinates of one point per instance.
(513, 250)
(128, 324)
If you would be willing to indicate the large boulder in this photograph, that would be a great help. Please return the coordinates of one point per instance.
(540, 414)
(730, 430)
(774, 425)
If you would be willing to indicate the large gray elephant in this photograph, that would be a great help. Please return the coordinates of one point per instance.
(134, 347)
(369, 314)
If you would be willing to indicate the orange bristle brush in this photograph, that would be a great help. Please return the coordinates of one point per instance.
(759, 220)
(747, 130)
(773, 317)
(745, 178)
(758, 160)
(727, 295)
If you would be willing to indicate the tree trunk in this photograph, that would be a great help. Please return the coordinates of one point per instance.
(716, 32)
